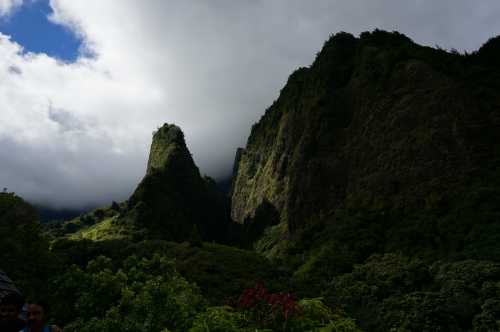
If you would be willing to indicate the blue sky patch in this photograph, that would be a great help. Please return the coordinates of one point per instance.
(30, 27)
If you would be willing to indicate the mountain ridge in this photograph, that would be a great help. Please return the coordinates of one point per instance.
(375, 121)
(367, 197)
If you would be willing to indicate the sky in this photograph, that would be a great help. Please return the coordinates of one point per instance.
(84, 83)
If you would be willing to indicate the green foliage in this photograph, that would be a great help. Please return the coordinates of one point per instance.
(319, 317)
(273, 242)
(320, 267)
(418, 311)
(395, 292)
(220, 271)
(173, 197)
(24, 252)
(315, 317)
(426, 260)
(218, 319)
(139, 295)
(195, 237)
(489, 318)
(341, 324)
(369, 284)
(98, 224)
(107, 229)
(15, 211)
(144, 291)
(265, 216)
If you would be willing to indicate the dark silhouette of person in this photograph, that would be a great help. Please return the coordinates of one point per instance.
(38, 314)
(10, 309)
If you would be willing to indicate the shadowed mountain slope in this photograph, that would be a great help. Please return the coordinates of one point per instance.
(375, 122)
(173, 201)
(381, 161)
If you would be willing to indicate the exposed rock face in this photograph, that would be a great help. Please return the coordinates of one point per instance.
(376, 122)
(173, 200)
(168, 147)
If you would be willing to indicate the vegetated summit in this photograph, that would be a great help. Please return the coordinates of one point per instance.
(373, 182)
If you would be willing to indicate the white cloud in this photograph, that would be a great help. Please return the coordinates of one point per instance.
(6, 6)
(70, 133)
(77, 134)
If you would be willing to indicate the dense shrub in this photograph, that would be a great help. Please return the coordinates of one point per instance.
(141, 295)
(24, 251)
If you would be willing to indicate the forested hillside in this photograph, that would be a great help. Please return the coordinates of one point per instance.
(381, 164)
(367, 198)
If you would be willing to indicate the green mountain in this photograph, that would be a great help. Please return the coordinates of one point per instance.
(367, 197)
(376, 122)
(173, 200)
(382, 163)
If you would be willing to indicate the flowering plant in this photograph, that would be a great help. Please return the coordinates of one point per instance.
(268, 309)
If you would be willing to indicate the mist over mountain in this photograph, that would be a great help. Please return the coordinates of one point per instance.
(81, 97)
(366, 198)
(48, 214)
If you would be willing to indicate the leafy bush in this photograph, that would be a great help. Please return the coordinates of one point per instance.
(259, 310)
(141, 295)
(24, 252)
(266, 309)
(218, 319)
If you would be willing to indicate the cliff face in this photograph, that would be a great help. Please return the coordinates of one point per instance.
(168, 149)
(173, 201)
(375, 122)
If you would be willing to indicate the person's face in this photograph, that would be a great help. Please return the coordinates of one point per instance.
(36, 315)
(8, 312)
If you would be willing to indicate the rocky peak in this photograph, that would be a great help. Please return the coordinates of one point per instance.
(168, 146)
(173, 200)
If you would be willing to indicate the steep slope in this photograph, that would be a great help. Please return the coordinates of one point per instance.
(383, 164)
(376, 122)
(173, 201)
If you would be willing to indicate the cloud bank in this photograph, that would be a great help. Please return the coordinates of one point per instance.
(77, 134)
(7, 6)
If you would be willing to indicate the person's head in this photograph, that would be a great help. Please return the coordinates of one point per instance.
(38, 312)
(10, 306)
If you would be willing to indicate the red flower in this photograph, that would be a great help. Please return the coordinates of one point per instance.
(264, 303)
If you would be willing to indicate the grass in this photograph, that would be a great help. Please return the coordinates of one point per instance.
(104, 230)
